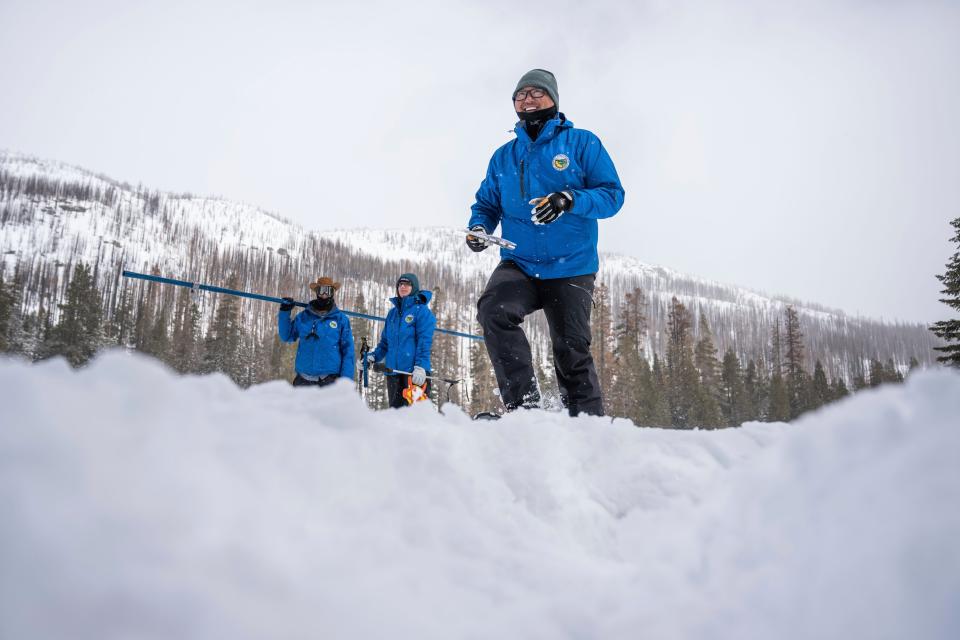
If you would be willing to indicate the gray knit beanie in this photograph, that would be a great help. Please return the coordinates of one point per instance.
(543, 79)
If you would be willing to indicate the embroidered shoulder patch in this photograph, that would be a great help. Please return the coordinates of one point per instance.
(560, 162)
(333, 324)
(409, 319)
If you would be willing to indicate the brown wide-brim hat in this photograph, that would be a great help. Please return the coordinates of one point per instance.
(324, 282)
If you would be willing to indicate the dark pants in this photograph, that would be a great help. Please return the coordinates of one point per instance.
(395, 386)
(300, 381)
(509, 297)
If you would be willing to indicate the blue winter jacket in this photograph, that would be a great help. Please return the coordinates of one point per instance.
(326, 341)
(408, 333)
(562, 158)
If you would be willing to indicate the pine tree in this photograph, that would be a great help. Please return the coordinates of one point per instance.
(795, 375)
(734, 402)
(79, 333)
(157, 343)
(682, 377)
(752, 390)
(821, 388)
(248, 366)
(121, 328)
(659, 402)
(839, 390)
(600, 343)
(779, 408)
(186, 342)
(891, 372)
(949, 330)
(706, 411)
(43, 331)
(142, 319)
(626, 397)
(877, 374)
(645, 412)
(28, 331)
(776, 350)
(222, 347)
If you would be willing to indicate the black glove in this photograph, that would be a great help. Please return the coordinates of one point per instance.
(475, 243)
(548, 209)
(287, 304)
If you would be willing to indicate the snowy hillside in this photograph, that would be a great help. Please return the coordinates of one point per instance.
(53, 215)
(143, 504)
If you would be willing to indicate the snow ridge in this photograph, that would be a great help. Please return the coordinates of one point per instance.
(193, 509)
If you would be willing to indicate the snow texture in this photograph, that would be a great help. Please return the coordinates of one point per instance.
(139, 504)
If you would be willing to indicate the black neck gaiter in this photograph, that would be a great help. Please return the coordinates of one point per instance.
(322, 304)
(533, 121)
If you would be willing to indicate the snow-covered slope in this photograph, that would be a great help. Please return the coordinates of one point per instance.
(142, 504)
(115, 226)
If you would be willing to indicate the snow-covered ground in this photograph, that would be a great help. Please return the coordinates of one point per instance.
(138, 504)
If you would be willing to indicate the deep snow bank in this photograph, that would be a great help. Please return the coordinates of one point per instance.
(139, 504)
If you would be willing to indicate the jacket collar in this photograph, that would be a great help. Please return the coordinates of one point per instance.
(420, 297)
(550, 129)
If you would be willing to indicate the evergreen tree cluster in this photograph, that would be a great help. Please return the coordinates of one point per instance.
(949, 330)
(691, 386)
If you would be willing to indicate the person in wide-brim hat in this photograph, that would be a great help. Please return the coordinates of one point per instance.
(324, 282)
(325, 348)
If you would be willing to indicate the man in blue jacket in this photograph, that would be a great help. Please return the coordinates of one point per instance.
(569, 180)
(406, 339)
(325, 351)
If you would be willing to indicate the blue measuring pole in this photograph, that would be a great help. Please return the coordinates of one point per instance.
(257, 296)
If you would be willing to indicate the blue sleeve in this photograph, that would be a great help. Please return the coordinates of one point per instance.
(426, 324)
(603, 194)
(487, 210)
(346, 349)
(286, 327)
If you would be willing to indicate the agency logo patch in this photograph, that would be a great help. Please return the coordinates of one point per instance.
(409, 319)
(560, 162)
(333, 324)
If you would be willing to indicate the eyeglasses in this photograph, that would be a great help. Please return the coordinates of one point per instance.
(324, 290)
(400, 283)
(533, 93)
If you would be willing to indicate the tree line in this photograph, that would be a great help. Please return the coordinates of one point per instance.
(688, 385)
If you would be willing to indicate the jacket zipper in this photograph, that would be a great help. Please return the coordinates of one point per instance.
(522, 194)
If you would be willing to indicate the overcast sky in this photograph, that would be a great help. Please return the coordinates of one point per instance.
(806, 148)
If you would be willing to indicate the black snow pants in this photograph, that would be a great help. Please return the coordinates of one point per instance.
(300, 381)
(509, 297)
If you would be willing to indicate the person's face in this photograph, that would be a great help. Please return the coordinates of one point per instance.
(531, 99)
(404, 289)
(324, 292)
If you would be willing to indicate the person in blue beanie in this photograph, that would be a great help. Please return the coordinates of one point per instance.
(547, 189)
(406, 341)
(325, 348)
